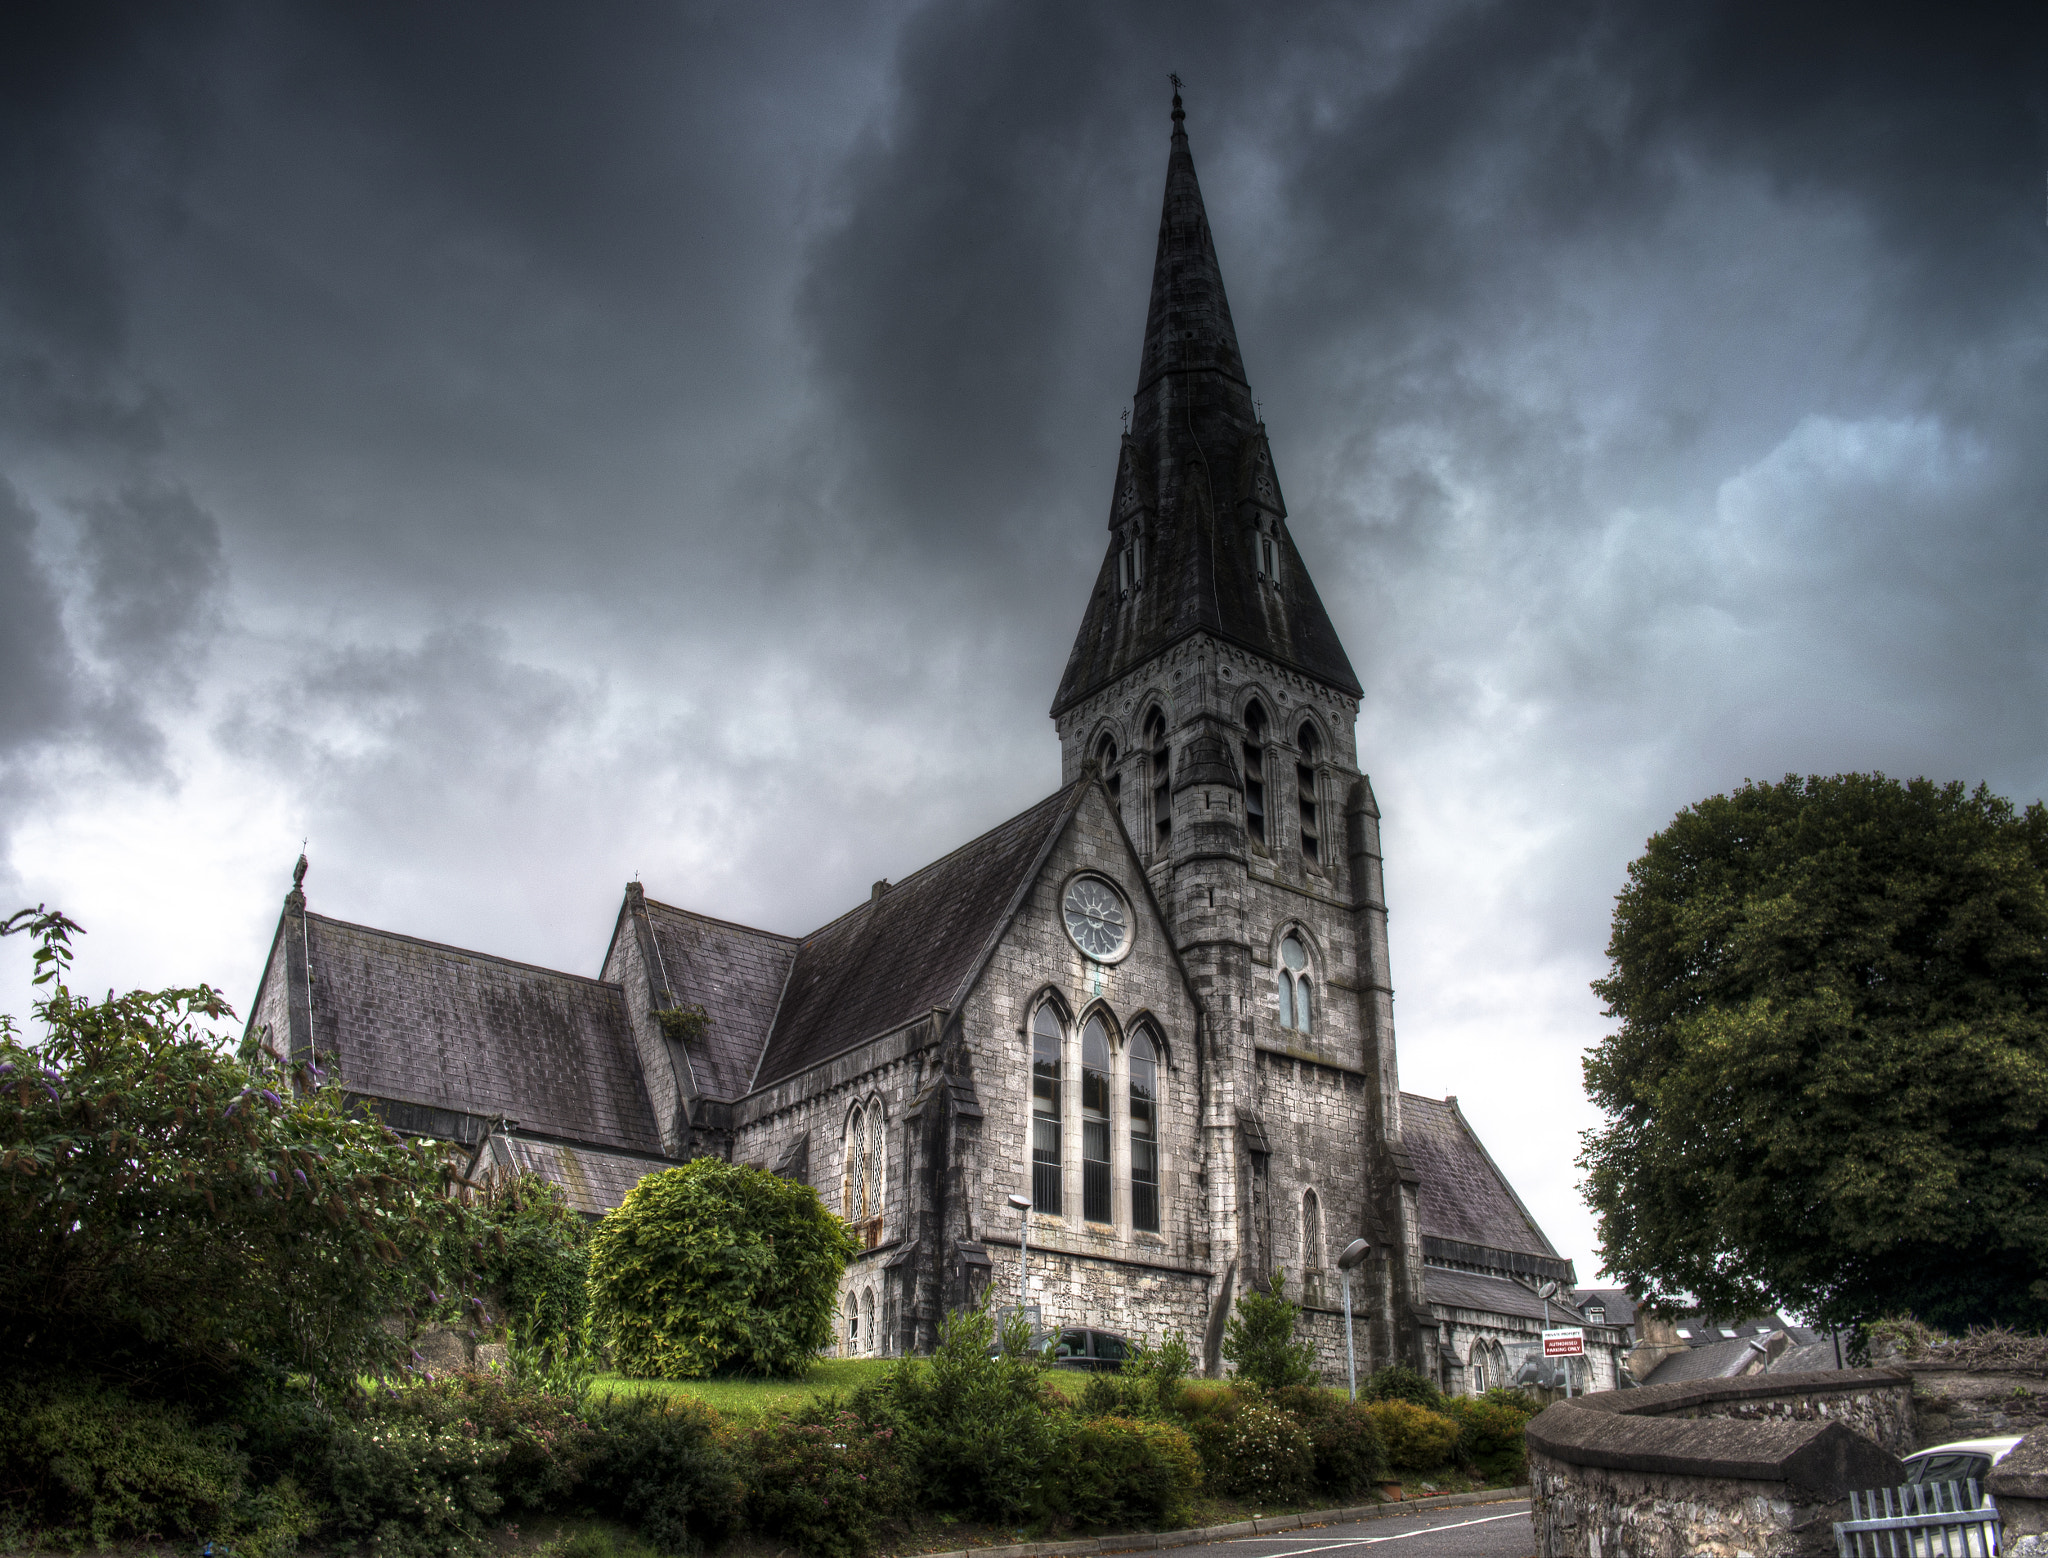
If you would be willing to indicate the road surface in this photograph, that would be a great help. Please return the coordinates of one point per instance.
(1469, 1531)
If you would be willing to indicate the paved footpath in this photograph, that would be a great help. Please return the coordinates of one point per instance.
(1499, 1530)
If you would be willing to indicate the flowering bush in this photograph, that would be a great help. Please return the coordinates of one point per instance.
(1416, 1438)
(1251, 1449)
(409, 1488)
(545, 1443)
(824, 1481)
(1349, 1456)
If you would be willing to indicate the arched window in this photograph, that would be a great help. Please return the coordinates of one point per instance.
(1130, 563)
(1297, 998)
(1162, 777)
(1144, 1133)
(854, 1204)
(1305, 781)
(873, 1197)
(1105, 758)
(1045, 1111)
(1311, 1249)
(1095, 1181)
(1255, 772)
(852, 1323)
(1266, 549)
(867, 1317)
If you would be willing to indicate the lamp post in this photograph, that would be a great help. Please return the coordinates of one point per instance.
(1023, 1206)
(1547, 1292)
(1354, 1253)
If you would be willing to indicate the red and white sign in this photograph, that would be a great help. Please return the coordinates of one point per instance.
(1567, 1341)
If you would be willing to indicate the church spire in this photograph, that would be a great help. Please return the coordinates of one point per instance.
(1198, 534)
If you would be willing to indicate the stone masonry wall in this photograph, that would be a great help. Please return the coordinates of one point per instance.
(1757, 1467)
(1953, 1401)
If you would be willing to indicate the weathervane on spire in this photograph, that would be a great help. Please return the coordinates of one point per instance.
(1178, 114)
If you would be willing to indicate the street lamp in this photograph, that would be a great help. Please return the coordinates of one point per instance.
(1023, 1206)
(1547, 1292)
(1354, 1254)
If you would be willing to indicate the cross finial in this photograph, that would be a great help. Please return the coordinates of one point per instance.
(1178, 113)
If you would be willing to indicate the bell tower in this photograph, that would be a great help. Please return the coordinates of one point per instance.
(1209, 687)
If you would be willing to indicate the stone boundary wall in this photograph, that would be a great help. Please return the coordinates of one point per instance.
(1760, 1466)
(1962, 1401)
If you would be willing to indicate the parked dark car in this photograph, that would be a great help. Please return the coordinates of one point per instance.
(1080, 1347)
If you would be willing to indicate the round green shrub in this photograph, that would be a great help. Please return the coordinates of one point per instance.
(1124, 1472)
(717, 1268)
(1490, 1438)
(1416, 1438)
(1398, 1382)
(1253, 1450)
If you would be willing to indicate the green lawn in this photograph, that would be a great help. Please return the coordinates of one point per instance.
(781, 1395)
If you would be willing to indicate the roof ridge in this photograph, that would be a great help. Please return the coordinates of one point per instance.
(713, 919)
(467, 952)
(933, 865)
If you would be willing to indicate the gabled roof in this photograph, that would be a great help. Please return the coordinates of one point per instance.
(592, 1181)
(1194, 468)
(1491, 1295)
(909, 949)
(1463, 1198)
(736, 974)
(446, 1028)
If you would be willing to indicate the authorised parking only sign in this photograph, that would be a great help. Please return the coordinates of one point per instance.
(1567, 1341)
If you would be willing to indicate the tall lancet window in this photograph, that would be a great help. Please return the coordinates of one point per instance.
(1297, 1000)
(1267, 547)
(855, 1200)
(1255, 772)
(1045, 1111)
(1095, 1170)
(874, 1161)
(1305, 782)
(1144, 1133)
(1162, 778)
(1311, 1241)
(1105, 758)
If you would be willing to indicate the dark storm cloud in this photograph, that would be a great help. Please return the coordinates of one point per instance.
(154, 574)
(38, 687)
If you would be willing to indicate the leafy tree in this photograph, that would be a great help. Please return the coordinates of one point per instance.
(1260, 1338)
(1828, 1088)
(532, 1262)
(717, 1268)
(172, 1218)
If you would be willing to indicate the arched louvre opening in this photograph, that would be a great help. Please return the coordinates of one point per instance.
(1255, 772)
(1144, 1134)
(1105, 757)
(1305, 782)
(1096, 1206)
(1045, 1111)
(1297, 998)
(1162, 778)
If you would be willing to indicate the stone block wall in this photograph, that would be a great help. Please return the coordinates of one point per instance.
(1759, 1466)
(1955, 1401)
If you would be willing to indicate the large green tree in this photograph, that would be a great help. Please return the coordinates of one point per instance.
(1829, 1084)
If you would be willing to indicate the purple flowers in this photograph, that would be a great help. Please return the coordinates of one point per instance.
(272, 1099)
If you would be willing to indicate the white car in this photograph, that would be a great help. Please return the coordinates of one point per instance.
(1963, 1461)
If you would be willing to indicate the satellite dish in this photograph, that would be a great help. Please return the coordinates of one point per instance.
(1354, 1255)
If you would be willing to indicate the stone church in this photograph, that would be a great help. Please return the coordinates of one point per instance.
(1156, 1005)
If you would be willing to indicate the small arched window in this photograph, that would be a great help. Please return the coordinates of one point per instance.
(867, 1318)
(1311, 1232)
(1144, 1133)
(1305, 783)
(1105, 758)
(1162, 777)
(1045, 1111)
(854, 1203)
(1095, 1169)
(1255, 772)
(852, 1323)
(1297, 996)
(1266, 549)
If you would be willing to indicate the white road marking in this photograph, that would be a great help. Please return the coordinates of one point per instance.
(1361, 1541)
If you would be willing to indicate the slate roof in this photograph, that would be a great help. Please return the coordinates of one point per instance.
(1463, 1196)
(1696, 1329)
(448, 1028)
(1620, 1307)
(1493, 1295)
(592, 1181)
(736, 974)
(1720, 1359)
(896, 957)
(1194, 457)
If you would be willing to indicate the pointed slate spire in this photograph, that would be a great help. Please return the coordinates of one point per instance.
(1196, 489)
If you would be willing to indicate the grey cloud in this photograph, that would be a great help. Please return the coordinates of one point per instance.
(38, 690)
(155, 576)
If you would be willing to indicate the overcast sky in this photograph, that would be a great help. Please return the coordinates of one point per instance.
(515, 447)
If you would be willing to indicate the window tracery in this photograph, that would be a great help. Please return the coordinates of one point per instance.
(1296, 985)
